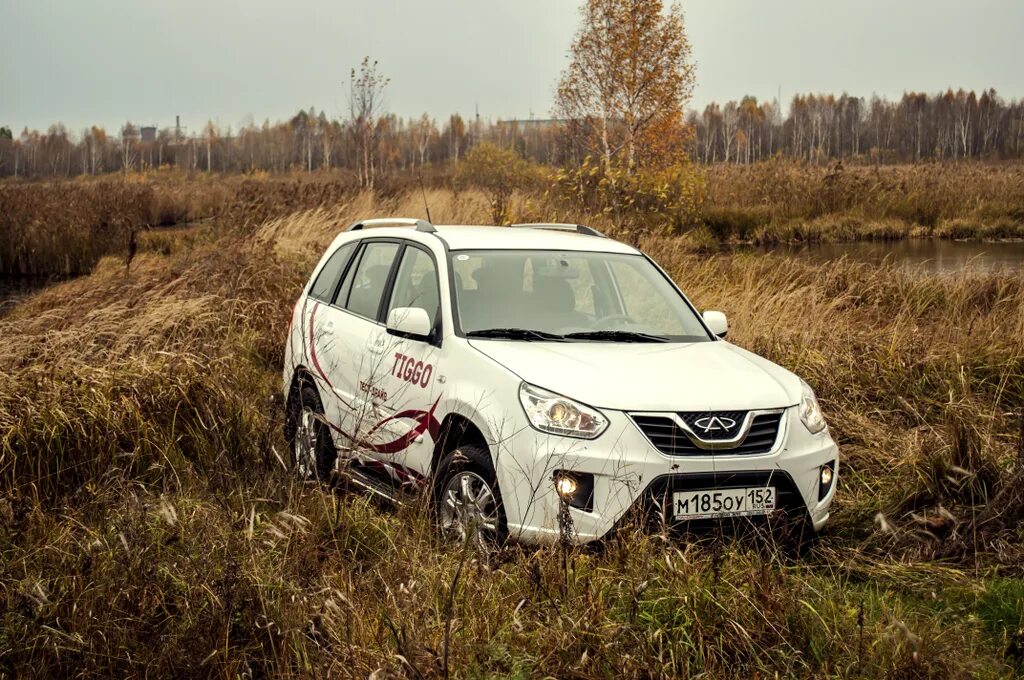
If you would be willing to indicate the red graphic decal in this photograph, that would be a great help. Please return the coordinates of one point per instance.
(425, 422)
(312, 347)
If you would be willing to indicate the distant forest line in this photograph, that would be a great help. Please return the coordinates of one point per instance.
(816, 128)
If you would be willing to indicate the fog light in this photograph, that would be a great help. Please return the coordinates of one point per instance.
(575, 488)
(565, 485)
(826, 477)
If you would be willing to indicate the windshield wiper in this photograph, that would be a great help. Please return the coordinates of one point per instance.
(514, 334)
(617, 336)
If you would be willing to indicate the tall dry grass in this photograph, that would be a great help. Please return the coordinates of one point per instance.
(63, 228)
(149, 526)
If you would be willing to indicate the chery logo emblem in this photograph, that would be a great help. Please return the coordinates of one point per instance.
(715, 424)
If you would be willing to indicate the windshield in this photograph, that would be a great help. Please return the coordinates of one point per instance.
(569, 296)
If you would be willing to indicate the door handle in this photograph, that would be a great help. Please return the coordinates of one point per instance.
(377, 346)
(329, 327)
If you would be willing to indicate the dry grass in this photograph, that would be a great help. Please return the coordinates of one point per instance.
(147, 524)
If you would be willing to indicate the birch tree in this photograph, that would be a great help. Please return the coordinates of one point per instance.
(366, 104)
(630, 70)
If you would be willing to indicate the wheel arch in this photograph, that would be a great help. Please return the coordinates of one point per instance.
(300, 376)
(456, 430)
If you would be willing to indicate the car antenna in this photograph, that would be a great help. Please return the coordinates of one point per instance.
(423, 191)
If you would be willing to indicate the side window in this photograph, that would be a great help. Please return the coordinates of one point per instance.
(327, 280)
(371, 275)
(416, 284)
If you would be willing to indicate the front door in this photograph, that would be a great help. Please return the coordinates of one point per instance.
(405, 435)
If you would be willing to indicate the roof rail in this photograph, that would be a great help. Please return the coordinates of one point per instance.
(562, 226)
(421, 225)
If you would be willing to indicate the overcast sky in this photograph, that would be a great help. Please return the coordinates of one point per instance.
(107, 61)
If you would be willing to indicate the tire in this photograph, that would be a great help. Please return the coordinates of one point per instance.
(803, 537)
(310, 446)
(489, 526)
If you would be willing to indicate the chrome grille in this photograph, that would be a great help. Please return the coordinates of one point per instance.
(666, 433)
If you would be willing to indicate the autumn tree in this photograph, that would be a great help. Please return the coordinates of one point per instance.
(210, 136)
(423, 131)
(129, 143)
(630, 74)
(6, 147)
(366, 104)
(455, 133)
(328, 133)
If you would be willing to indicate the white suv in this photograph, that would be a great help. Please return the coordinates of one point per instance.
(540, 382)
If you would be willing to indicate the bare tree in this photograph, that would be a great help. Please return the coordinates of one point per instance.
(366, 104)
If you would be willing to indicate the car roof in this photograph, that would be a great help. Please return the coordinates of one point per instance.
(480, 237)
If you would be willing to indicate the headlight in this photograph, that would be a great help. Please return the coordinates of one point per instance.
(550, 412)
(810, 412)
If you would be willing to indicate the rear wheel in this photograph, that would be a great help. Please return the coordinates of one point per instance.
(312, 449)
(468, 506)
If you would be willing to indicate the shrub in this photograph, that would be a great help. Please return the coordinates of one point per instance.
(498, 173)
(664, 201)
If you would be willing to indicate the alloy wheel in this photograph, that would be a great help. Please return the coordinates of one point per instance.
(469, 509)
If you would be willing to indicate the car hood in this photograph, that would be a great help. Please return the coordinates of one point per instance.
(702, 376)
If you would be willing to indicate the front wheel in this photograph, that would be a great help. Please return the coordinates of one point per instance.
(467, 500)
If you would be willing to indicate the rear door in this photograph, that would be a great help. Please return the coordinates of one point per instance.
(321, 323)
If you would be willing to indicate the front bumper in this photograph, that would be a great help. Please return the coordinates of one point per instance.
(630, 473)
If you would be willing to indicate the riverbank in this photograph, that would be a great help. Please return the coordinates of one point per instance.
(918, 256)
(781, 201)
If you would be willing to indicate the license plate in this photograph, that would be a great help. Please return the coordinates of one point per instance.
(707, 503)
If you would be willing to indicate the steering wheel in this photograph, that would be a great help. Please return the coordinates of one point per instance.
(621, 318)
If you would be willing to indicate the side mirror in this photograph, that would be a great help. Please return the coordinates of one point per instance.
(409, 322)
(717, 322)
